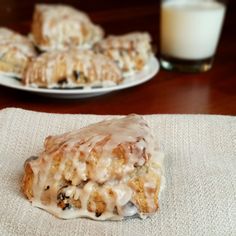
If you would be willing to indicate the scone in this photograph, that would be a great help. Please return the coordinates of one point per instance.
(71, 69)
(131, 52)
(108, 170)
(62, 27)
(15, 53)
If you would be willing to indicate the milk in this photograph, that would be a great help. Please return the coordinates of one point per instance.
(190, 29)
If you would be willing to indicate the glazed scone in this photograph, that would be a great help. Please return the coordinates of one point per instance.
(15, 53)
(61, 27)
(71, 69)
(131, 51)
(108, 170)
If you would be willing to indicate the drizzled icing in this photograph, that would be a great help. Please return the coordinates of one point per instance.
(104, 158)
(77, 67)
(130, 51)
(16, 50)
(64, 27)
(10, 39)
(131, 41)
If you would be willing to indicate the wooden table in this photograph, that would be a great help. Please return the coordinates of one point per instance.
(213, 92)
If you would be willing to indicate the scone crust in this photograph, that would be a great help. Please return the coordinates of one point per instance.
(74, 68)
(60, 27)
(101, 176)
(16, 51)
(131, 51)
(27, 181)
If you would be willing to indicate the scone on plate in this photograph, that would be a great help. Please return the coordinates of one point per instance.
(107, 170)
(62, 27)
(15, 53)
(131, 51)
(71, 69)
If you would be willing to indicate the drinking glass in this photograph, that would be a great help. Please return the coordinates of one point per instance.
(189, 33)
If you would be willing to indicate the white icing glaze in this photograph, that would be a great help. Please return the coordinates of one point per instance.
(123, 194)
(64, 27)
(127, 50)
(10, 39)
(15, 50)
(88, 158)
(47, 69)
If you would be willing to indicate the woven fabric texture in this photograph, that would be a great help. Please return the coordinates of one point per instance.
(200, 169)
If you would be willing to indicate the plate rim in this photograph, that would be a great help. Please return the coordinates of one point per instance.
(85, 91)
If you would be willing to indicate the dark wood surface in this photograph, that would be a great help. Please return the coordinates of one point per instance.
(213, 92)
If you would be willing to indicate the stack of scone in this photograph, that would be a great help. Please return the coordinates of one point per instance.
(108, 170)
(71, 51)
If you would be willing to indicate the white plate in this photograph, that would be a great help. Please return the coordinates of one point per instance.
(130, 81)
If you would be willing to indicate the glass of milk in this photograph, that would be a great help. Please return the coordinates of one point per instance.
(189, 33)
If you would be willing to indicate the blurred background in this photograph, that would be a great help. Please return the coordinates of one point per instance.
(112, 15)
(116, 17)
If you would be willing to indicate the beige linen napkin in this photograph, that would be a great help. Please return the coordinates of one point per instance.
(200, 168)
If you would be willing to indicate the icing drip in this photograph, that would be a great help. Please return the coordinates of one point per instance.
(64, 27)
(73, 68)
(131, 52)
(22, 46)
(98, 171)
